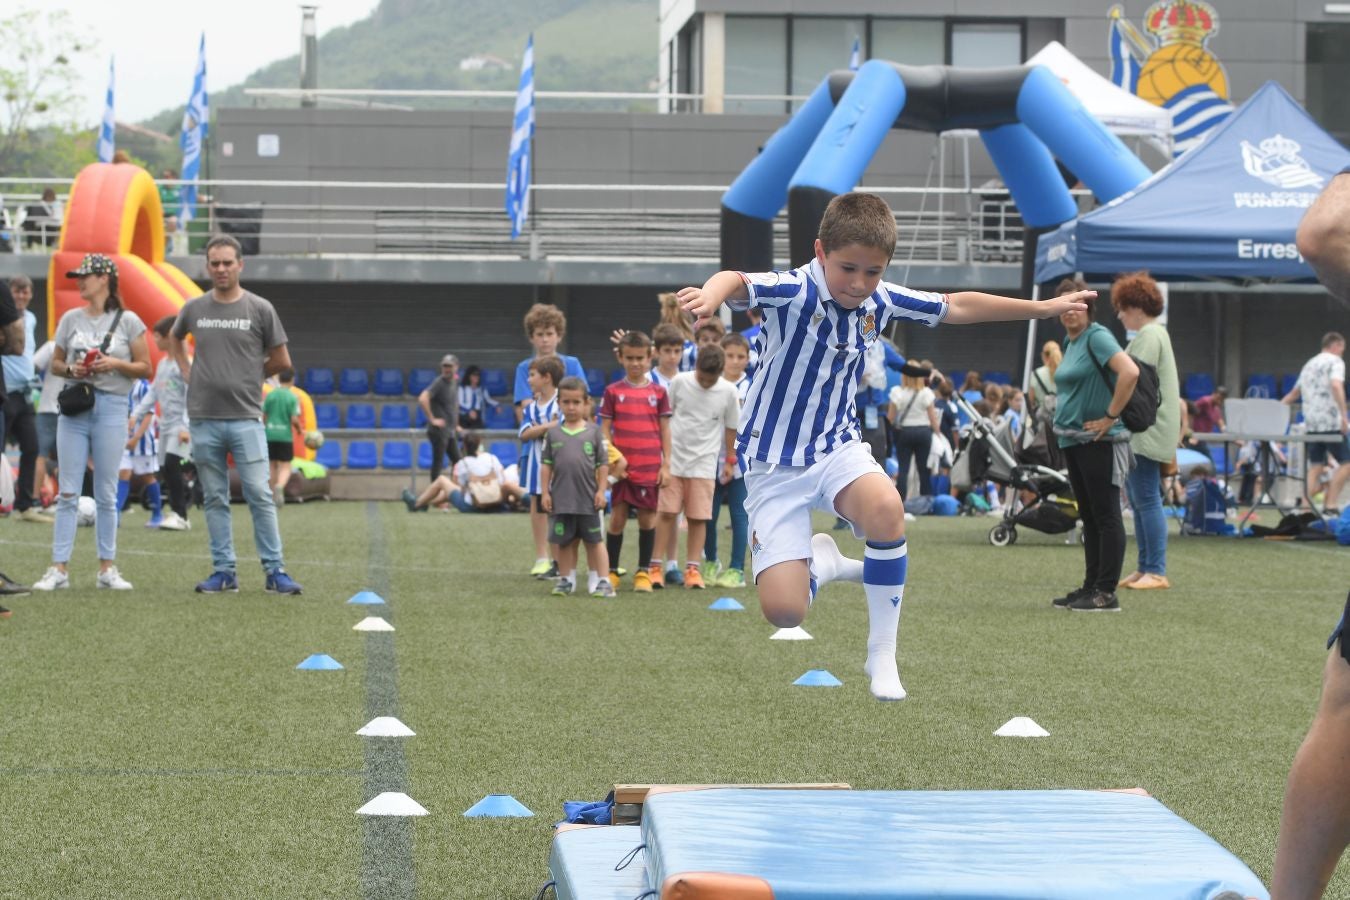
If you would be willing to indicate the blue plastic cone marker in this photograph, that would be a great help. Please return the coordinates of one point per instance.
(367, 598)
(818, 678)
(320, 662)
(497, 806)
(725, 603)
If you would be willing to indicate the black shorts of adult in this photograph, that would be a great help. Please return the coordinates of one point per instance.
(565, 528)
(1318, 452)
(280, 451)
(1340, 631)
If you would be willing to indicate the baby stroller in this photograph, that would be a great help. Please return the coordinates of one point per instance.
(989, 453)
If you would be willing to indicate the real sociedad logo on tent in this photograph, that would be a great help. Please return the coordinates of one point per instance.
(1276, 161)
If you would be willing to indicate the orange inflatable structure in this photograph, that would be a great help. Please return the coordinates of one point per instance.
(114, 209)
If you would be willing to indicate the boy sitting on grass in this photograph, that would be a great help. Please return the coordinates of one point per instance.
(574, 469)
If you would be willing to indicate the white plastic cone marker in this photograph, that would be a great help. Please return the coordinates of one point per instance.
(386, 726)
(372, 623)
(392, 803)
(797, 633)
(1021, 726)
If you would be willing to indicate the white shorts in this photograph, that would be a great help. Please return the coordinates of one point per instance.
(779, 500)
(138, 464)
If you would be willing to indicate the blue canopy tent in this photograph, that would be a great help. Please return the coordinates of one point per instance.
(1227, 209)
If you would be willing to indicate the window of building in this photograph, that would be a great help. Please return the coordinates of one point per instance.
(821, 46)
(756, 62)
(1327, 55)
(910, 42)
(986, 45)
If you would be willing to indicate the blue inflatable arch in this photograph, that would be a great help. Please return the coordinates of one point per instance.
(1025, 116)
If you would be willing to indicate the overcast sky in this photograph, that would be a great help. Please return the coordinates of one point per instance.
(155, 42)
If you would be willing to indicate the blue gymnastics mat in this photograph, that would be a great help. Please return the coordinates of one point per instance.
(582, 863)
(907, 845)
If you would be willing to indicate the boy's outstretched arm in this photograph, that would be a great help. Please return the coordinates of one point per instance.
(967, 307)
(704, 301)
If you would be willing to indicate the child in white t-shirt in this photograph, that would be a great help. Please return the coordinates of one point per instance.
(730, 491)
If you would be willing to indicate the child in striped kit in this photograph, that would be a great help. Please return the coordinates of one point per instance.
(799, 436)
(140, 460)
(536, 419)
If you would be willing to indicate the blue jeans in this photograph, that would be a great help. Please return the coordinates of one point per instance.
(212, 440)
(100, 433)
(1144, 488)
(733, 495)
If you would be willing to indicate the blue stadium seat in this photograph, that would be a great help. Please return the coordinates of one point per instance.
(1287, 384)
(595, 381)
(420, 420)
(419, 380)
(327, 415)
(396, 455)
(424, 456)
(318, 382)
(997, 377)
(507, 451)
(361, 455)
(1197, 385)
(389, 382)
(1262, 386)
(502, 417)
(354, 382)
(361, 415)
(495, 382)
(329, 455)
(395, 415)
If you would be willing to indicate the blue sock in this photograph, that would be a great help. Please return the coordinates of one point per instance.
(156, 503)
(123, 491)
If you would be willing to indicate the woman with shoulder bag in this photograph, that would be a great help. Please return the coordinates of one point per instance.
(100, 348)
(914, 416)
(1138, 303)
(1096, 448)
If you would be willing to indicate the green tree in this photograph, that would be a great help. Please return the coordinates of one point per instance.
(38, 85)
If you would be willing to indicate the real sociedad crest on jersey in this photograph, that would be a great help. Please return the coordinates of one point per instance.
(868, 327)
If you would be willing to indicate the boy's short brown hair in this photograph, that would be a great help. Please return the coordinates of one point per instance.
(165, 325)
(573, 383)
(858, 218)
(713, 325)
(667, 335)
(636, 339)
(542, 316)
(735, 339)
(286, 376)
(711, 359)
(549, 366)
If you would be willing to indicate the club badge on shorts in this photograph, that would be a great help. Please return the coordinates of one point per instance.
(755, 546)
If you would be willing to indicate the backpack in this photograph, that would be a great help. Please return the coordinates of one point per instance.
(1206, 508)
(1141, 410)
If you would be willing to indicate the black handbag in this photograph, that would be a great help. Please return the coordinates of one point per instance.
(77, 397)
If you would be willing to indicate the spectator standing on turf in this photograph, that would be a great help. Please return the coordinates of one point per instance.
(240, 343)
(635, 416)
(914, 417)
(47, 418)
(1138, 304)
(573, 472)
(704, 412)
(1096, 448)
(281, 422)
(540, 415)
(11, 343)
(169, 392)
(440, 404)
(1315, 824)
(1209, 412)
(1042, 387)
(98, 433)
(730, 492)
(20, 417)
(1321, 386)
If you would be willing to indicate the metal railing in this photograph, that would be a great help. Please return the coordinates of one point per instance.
(604, 222)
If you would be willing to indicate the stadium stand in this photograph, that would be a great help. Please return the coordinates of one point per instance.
(318, 382)
(389, 382)
(354, 382)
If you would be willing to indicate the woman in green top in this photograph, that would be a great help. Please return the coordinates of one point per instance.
(1138, 303)
(1096, 447)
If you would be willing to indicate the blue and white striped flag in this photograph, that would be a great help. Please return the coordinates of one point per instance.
(107, 133)
(1195, 111)
(1124, 65)
(193, 139)
(855, 58)
(522, 134)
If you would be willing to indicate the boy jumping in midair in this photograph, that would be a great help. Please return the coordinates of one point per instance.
(799, 435)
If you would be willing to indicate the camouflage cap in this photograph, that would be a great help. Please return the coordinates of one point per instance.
(94, 264)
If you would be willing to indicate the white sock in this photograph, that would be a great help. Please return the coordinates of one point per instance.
(884, 567)
(592, 579)
(572, 577)
(673, 565)
(828, 564)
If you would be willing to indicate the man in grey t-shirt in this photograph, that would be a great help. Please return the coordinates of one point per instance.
(440, 404)
(240, 342)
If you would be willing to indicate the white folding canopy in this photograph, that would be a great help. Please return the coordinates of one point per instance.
(1120, 111)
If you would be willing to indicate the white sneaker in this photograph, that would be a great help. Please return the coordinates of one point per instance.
(112, 579)
(174, 522)
(53, 580)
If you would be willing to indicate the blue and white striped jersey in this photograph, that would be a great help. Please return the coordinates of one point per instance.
(535, 414)
(657, 378)
(148, 445)
(688, 358)
(801, 405)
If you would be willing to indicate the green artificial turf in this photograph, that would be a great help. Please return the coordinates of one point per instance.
(161, 744)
